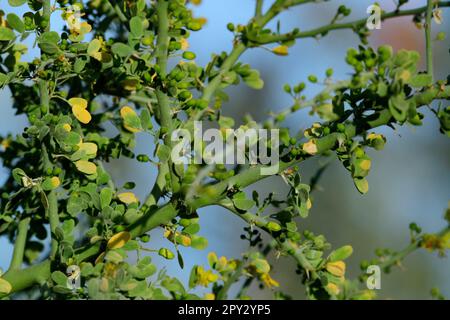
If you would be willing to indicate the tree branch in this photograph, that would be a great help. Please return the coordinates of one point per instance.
(253, 174)
(272, 38)
(19, 245)
(428, 40)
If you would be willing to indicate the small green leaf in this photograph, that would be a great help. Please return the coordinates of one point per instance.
(16, 3)
(146, 120)
(59, 278)
(341, 254)
(6, 34)
(48, 47)
(199, 243)
(192, 229)
(361, 184)
(398, 107)
(243, 204)
(137, 27)
(15, 22)
(105, 197)
(180, 259)
(166, 253)
(253, 80)
(121, 49)
(421, 80)
(94, 47)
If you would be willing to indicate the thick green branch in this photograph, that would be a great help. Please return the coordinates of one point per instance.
(164, 113)
(19, 244)
(52, 209)
(265, 39)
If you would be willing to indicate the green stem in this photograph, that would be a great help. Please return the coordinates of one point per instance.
(164, 112)
(25, 278)
(46, 13)
(118, 12)
(399, 256)
(258, 8)
(261, 222)
(19, 245)
(272, 38)
(52, 210)
(428, 40)
(223, 292)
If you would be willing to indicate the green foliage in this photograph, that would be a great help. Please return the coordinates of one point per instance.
(121, 76)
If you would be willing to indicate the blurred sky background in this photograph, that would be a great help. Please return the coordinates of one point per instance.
(409, 180)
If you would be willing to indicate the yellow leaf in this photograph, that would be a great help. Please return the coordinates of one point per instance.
(81, 114)
(365, 164)
(281, 50)
(130, 84)
(184, 44)
(79, 106)
(67, 127)
(128, 114)
(78, 102)
(196, 2)
(310, 147)
(127, 197)
(55, 182)
(210, 296)
(308, 204)
(119, 240)
(5, 286)
(100, 258)
(333, 289)
(86, 166)
(89, 147)
(336, 268)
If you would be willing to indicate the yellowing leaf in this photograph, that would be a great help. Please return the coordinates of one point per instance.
(308, 204)
(310, 147)
(365, 164)
(89, 147)
(82, 115)
(210, 296)
(361, 184)
(131, 120)
(55, 182)
(100, 258)
(130, 84)
(86, 166)
(336, 268)
(5, 286)
(119, 240)
(281, 50)
(67, 127)
(79, 106)
(333, 288)
(78, 102)
(184, 44)
(127, 197)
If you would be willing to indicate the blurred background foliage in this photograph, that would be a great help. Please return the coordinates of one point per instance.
(409, 180)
